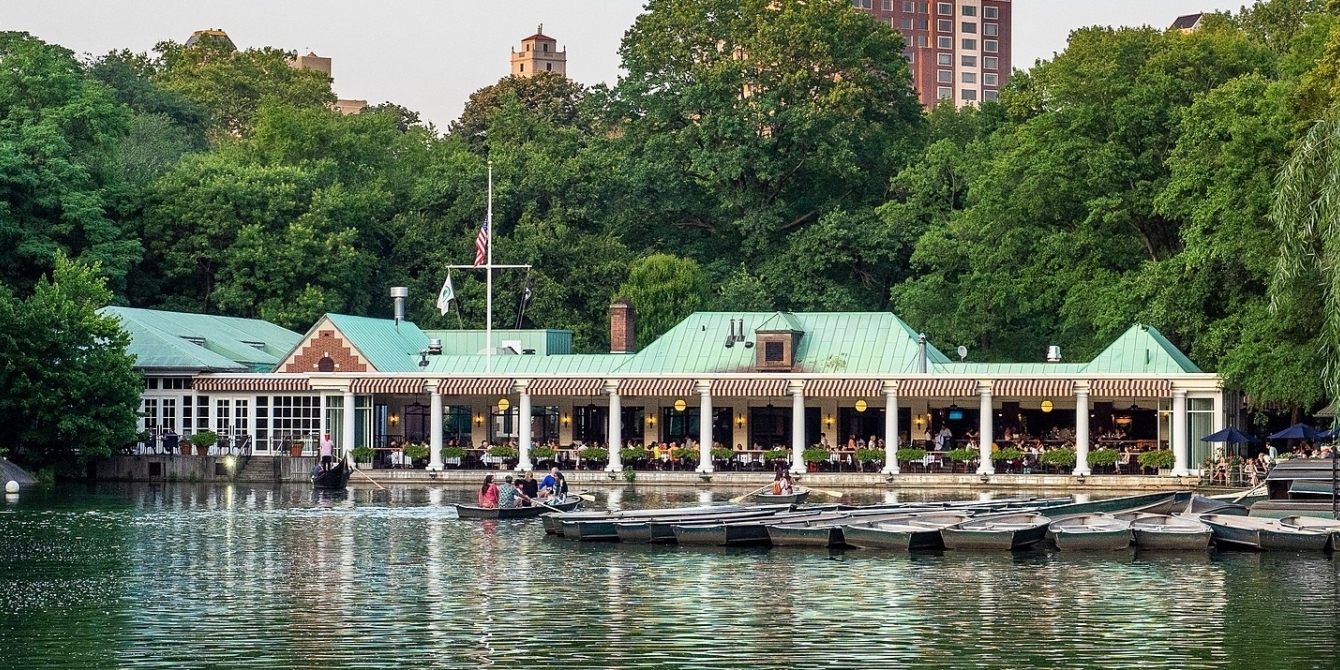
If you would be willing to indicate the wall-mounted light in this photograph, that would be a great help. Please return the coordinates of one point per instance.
(739, 421)
(566, 419)
(479, 419)
(651, 420)
(393, 419)
(828, 421)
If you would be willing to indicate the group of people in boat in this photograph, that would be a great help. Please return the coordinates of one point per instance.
(524, 492)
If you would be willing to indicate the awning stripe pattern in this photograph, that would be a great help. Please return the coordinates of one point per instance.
(398, 386)
(473, 387)
(750, 388)
(937, 388)
(842, 388)
(257, 383)
(1130, 388)
(656, 387)
(566, 387)
(1032, 388)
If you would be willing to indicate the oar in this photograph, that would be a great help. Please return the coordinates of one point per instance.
(1249, 491)
(830, 494)
(756, 491)
(369, 478)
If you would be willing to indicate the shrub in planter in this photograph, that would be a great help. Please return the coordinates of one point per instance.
(203, 441)
(868, 455)
(415, 451)
(909, 454)
(775, 454)
(1059, 457)
(683, 452)
(961, 455)
(502, 451)
(363, 454)
(633, 453)
(594, 454)
(543, 453)
(1104, 457)
(814, 455)
(1007, 454)
(722, 453)
(453, 452)
(1160, 458)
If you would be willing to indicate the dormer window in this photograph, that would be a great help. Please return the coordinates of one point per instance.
(774, 352)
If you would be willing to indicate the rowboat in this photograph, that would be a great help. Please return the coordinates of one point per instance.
(1203, 505)
(662, 530)
(603, 527)
(1091, 532)
(553, 523)
(754, 531)
(1160, 503)
(335, 478)
(830, 532)
(911, 533)
(565, 504)
(1162, 532)
(1263, 534)
(997, 532)
(1316, 523)
(796, 497)
(1297, 486)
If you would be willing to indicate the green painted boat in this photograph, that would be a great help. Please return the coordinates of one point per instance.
(1091, 532)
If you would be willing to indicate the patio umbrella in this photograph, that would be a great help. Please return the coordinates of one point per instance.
(1298, 431)
(1229, 434)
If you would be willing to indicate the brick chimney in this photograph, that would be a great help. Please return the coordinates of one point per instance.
(622, 340)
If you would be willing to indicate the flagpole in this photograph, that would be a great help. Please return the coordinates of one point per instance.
(488, 325)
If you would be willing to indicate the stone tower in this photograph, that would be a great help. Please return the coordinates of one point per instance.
(539, 53)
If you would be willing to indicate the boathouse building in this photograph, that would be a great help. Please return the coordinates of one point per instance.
(759, 379)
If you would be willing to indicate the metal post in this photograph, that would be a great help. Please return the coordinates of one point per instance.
(488, 272)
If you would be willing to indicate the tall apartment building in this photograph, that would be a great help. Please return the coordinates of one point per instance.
(959, 50)
(539, 53)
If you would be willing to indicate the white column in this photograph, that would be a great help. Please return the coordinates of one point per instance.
(705, 428)
(1179, 445)
(797, 426)
(890, 431)
(523, 463)
(1081, 431)
(615, 437)
(987, 430)
(347, 439)
(434, 427)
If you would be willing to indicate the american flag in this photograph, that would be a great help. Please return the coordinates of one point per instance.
(482, 245)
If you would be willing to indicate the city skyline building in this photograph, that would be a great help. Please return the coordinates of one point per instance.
(958, 50)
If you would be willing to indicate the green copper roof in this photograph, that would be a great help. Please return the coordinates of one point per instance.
(989, 369)
(780, 322)
(1141, 349)
(851, 342)
(572, 364)
(387, 346)
(162, 341)
(551, 342)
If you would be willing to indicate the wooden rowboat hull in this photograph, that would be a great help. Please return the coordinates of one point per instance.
(1006, 532)
(797, 498)
(1092, 540)
(476, 512)
(788, 535)
(874, 537)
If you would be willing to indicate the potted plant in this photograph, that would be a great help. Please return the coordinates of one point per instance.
(295, 449)
(864, 456)
(1007, 456)
(774, 455)
(543, 453)
(415, 452)
(814, 456)
(909, 455)
(363, 456)
(961, 456)
(203, 441)
(631, 454)
(594, 454)
(1059, 458)
(1160, 459)
(1104, 457)
(722, 454)
(457, 453)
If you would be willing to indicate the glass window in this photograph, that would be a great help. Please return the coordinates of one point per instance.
(969, 10)
(1199, 422)
(456, 425)
(968, 94)
(888, 5)
(944, 43)
(969, 27)
(923, 24)
(969, 61)
(991, 62)
(295, 419)
(992, 13)
(991, 79)
(969, 45)
(905, 24)
(925, 8)
(944, 59)
(169, 414)
(863, 4)
(908, 7)
(590, 423)
(990, 46)
(944, 8)
(201, 413)
(911, 56)
(922, 41)
(944, 76)
(991, 29)
(503, 424)
(990, 96)
(263, 421)
(969, 78)
(944, 93)
(944, 26)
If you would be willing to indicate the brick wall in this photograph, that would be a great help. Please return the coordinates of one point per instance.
(326, 345)
(622, 340)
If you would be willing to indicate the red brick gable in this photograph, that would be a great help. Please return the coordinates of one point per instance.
(326, 346)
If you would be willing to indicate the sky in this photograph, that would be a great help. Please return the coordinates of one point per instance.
(430, 55)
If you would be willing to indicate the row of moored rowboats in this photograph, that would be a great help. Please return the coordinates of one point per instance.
(1164, 521)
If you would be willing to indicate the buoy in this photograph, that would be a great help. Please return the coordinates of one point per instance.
(12, 487)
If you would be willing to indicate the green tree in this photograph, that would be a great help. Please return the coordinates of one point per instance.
(70, 390)
(59, 130)
(551, 97)
(664, 289)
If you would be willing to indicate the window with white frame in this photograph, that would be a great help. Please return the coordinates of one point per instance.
(944, 76)
(969, 45)
(968, 94)
(944, 92)
(944, 59)
(944, 26)
(992, 13)
(991, 79)
(969, 78)
(944, 8)
(991, 29)
(990, 96)
(991, 62)
(990, 46)
(968, 61)
(944, 43)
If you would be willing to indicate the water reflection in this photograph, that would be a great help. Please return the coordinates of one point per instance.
(187, 576)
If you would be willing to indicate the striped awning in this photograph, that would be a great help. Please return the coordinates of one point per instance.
(656, 387)
(750, 388)
(484, 387)
(399, 386)
(1033, 388)
(842, 388)
(256, 383)
(566, 387)
(1130, 388)
(937, 388)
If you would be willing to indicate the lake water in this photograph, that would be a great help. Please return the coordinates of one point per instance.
(193, 576)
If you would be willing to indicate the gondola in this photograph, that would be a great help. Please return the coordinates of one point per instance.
(564, 504)
(336, 478)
